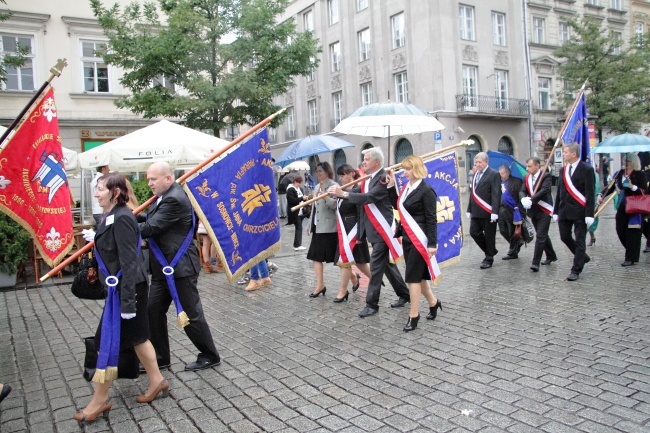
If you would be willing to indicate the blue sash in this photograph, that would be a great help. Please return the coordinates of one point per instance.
(507, 199)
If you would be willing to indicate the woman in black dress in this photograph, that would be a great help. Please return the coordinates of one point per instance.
(417, 200)
(348, 216)
(117, 247)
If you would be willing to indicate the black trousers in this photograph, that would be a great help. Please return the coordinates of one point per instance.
(645, 227)
(507, 229)
(577, 245)
(297, 236)
(543, 244)
(630, 238)
(380, 265)
(484, 234)
(198, 330)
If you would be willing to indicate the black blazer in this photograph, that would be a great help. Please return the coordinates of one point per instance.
(349, 214)
(637, 177)
(168, 223)
(293, 200)
(488, 189)
(117, 244)
(543, 194)
(421, 203)
(566, 207)
(376, 194)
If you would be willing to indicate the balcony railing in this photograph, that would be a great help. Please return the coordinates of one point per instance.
(491, 106)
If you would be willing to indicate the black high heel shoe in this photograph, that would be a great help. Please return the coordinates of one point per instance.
(344, 298)
(315, 295)
(356, 286)
(592, 242)
(412, 323)
(433, 311)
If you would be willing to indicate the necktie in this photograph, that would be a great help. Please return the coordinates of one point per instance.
(570, 169)
(158, 201)
(478, 177)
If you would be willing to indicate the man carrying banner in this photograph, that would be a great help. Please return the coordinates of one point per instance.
(169, 227)
(574, 208)
(375, 223)
(483, 208)
(509, 214)
(539, 206)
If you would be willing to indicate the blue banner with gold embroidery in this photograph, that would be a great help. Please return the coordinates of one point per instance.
(235, 198)
(443, 177)
(577, 128)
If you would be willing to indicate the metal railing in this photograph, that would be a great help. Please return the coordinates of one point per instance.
(491, 105)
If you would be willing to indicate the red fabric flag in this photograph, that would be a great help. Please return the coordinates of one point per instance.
(33, 186)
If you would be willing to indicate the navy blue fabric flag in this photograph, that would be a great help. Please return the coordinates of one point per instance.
(235, 198)
(443, 177)
(577, 129)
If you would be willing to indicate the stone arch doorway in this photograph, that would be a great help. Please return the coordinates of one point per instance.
(339, 159)
(403, 148)
(506, 146)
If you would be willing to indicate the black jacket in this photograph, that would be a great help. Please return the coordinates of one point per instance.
(421, 204)
(568, 208)
(542, 194)
(376, 194)
(489, 190)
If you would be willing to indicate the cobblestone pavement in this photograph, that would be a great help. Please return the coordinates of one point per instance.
(511, 351)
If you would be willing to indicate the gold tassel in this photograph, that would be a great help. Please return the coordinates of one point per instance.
(183, 320)
(111, 373)
(99, 376)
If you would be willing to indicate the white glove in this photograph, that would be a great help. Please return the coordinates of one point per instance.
(554, 218)
(88, 234)
(469, 215)
(634, 187)
(589, 221)
(527, 202)
(494, 217)
(127, 316)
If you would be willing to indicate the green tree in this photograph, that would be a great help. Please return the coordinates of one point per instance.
(11, 60)
(618, 75)
(216, 83)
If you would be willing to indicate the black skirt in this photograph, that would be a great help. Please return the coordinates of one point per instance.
(416, 268)
(360, 253)
(323, 247)
(132, 331)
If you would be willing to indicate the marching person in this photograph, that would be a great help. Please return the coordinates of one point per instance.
(574, 207)
(169, 226)
(509, 213)
(630, 181)
(483, 208)
(539, 207)
(416, 204)
(295, 196)
(375, 225)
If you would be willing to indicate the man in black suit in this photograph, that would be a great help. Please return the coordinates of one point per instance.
(168, 223)
(483, 207)
(510, 187)
(574, 207)
(374, 193)
(539, 207)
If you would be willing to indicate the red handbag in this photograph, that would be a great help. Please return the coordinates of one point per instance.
(635, 204)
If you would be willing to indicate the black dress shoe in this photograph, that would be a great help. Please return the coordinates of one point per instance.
(534, 268)
(399, 303)
(509, 257)
(6, 389)
(368, 311)
(572, 277)
(160, 367)
(433, 311)
(412, 323)
(548, 261)
(356, 286)
(200, 365)
(486, 265)
(627, 263)
(344, 298)
(316, 295)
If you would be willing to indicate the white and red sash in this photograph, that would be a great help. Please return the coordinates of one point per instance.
(479, 201)
(347, 241)
(571, 188)
(545, 207)
(385, 230)
(417, 237)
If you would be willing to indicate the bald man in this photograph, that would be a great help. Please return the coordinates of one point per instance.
(169, 222)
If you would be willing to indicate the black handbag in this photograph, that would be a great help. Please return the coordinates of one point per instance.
(86, 284)
(128, 366)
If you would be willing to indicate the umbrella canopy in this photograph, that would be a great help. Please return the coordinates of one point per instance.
(297, 166)
(163, 141)
(70, 161)
(311, 145)
(388, 118)
(497, 159)
(624, 143)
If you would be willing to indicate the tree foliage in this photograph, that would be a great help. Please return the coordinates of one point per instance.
(617, 72)
(216, 83)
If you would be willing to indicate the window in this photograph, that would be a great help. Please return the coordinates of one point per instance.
(466, 14)
(616, 4)
(470, 87)
(337, 104)
(563, 32)
(366, 94)
(311, 76)
(397, 26)
(501, 88)
(505, 146)
(291, 123)
(308, 21)
(364, 44)
(618, 41)
(499, 29)
(544, 93)
(95, 70)
(592, 2)
(313, 115)
(362, 4)
(539, 30)
(21, 78)
(333, 11)
(401, 88)
(639, 31)
(335, 56)
(164, 81)
(273, 135)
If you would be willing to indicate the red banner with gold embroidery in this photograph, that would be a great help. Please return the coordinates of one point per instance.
(33, 186)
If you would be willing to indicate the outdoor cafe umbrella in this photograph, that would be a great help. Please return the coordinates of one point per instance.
(309, 146)
(386, 118)
(497, 159)
(624, 143)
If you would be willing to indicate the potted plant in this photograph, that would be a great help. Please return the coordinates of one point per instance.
(14, 245)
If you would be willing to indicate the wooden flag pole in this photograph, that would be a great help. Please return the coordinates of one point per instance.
(392, 167)
(180, 180)
(603, 205)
